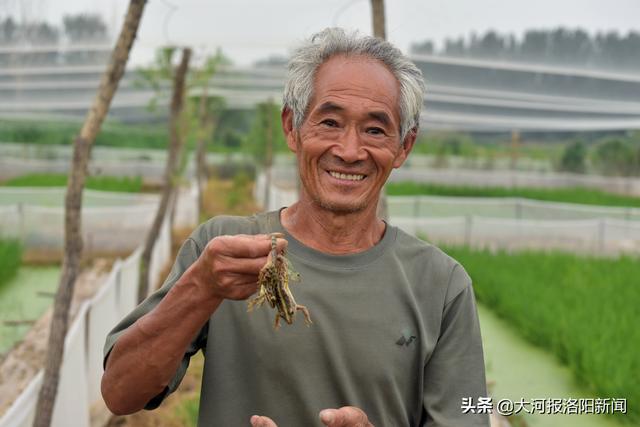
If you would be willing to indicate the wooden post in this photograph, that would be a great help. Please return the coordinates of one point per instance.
(378, 19)
(378, 23)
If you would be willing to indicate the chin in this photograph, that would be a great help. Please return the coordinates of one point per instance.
(341, 207)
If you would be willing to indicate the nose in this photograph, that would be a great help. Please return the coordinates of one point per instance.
(351, 149)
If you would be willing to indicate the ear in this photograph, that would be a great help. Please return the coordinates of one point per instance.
(405, 148)
(287, 126)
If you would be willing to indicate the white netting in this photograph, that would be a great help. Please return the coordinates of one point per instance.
(277, 197)
(81, 370)
(151, 171)
(513, 179)
(594, 236)
(54, 197)
(104, 314)
(111, 222)
(494, 178)
(499, 207)
(496, 222)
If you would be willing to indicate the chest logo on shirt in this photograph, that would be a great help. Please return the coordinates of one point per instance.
(406, 338)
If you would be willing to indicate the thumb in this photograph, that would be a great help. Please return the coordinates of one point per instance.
(347, 416)
(258, 421)
(327, 416)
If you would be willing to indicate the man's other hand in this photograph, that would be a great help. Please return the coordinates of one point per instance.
(347, 416)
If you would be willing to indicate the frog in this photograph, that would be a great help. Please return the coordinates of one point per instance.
(273, 286)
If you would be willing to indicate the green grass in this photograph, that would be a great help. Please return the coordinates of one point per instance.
(584, 310)
(585, 196)
(104, 183)
(111, 134)
(10, 258)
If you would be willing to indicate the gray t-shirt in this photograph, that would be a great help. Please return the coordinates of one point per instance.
(395, 332)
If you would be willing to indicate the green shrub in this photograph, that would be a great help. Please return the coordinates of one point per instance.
(617, 156)
(574, 158)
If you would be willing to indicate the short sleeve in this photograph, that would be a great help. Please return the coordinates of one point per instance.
(456, 366)
(188, 254)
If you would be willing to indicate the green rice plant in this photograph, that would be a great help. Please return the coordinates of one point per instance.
(582, 309)
(10, 258)
(103, 183)
(580, 195)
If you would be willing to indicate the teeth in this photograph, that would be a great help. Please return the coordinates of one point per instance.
(346, 176)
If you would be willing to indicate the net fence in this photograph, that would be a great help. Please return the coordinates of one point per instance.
(111, 222)
(500, 223)
(516, 179)
(283, 176)
(151, 171)
(503, 207)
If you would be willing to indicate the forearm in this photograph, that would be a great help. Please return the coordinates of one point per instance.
(147, 355)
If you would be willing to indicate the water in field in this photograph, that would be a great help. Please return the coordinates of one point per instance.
(22, 299)
(520, 370)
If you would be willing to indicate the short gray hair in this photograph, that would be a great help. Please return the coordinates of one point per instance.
(305, 61)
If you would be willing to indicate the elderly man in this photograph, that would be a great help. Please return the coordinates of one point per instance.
(395, 339)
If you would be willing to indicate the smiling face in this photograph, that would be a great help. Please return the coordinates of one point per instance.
(350, 139)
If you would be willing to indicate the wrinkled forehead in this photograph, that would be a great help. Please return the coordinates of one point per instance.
(362, 78)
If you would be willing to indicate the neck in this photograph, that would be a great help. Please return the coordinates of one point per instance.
(332, 232)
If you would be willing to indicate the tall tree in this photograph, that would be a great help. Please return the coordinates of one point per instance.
(209, 109)
(176, 143)
(73, 204)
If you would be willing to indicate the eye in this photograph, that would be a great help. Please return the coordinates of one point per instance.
(375, 131)
(329, 122)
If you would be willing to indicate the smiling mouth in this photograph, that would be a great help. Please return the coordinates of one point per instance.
(347, 176)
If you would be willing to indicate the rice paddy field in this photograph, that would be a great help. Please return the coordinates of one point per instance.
(582, 310)
(517, 369)
(25, 298)
(585, 196)
(21, 293)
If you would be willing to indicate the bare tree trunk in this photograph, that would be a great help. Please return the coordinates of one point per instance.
(378, 19)
(268, 157)
(176, 144)
(201, 149)
(73, 205)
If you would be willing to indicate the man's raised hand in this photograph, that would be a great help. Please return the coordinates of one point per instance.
(229, 265)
